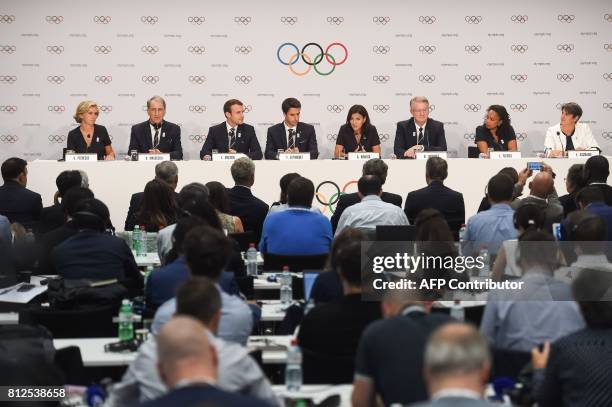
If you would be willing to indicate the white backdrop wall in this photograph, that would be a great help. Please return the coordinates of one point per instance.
(530, 56)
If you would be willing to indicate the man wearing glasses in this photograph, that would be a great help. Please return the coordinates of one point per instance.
(156, 136)
(420, 133)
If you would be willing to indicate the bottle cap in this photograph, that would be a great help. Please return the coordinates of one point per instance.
(251, 245)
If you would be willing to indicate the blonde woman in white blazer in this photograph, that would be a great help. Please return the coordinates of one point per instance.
(569, 131)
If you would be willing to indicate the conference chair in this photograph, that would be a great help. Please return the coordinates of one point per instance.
(320, 368)
(473, 152)
(244, 239)
(86, 323)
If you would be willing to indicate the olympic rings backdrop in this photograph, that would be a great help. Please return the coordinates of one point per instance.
(529, 56)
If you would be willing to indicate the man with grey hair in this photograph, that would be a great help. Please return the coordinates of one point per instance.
(457, 365)
(420, 133)
(377, 167)
(252, 211)
(156, 136)
(166, 171)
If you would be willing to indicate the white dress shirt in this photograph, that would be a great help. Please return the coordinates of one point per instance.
(582, 138)
(371, 212)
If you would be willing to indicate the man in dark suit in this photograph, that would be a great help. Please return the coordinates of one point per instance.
(377, 167)
(18, 203)
(596, 172)
(541, 194)
(233, 135)
(436, 195)
(54, 216)
(156, 136)
(420, 133)
(291, 135)
(252, 211)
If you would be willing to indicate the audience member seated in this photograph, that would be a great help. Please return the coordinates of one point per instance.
(542, 193)
(18, 203)
(377, 167)
(542, 310)
(166, 171)
(238, 372)
(188, 364)
(219, 199)
(519, 179)
(251, 210)
(591, 199)
(493, 226)
(596, 172)
(431, 226)
(526, 218)
(457, 366)
(575, 370)
(297, 231)
(92, 254)
(371, 211)
(437, 196)
(389, 359)
(158, 207)
(574, 181)
(282, 204)
(54, 216)
(207, 251)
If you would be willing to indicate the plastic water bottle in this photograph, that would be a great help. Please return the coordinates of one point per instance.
(462, 230)
(251, 260)
(136, 239)
(457, 311)
(148, 272)
(286, 291)
(143, 242)
(486, 259)
(126, 323)
(293, 370)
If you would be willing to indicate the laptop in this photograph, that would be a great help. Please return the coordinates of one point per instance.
(309, 278)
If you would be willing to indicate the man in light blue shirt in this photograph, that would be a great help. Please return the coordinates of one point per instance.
(491, 227)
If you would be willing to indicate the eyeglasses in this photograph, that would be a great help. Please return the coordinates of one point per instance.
(158, 110)
(422, 111)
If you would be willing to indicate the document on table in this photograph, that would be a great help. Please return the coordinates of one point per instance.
(11, 294)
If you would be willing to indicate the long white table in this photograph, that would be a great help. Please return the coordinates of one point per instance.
(114, 182)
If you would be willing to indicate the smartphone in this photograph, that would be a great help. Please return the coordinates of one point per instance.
(556, 230)
(534, 166)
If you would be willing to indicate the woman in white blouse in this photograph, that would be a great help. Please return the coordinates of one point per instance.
(569, 134)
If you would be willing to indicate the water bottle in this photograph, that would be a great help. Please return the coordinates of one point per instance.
(486, 259)
(148, 272)
(136, 239)
(462, 237)
(143, 242)
(457, 311)
(251, 260)
(126, 324)
(286, 292)
(293, 370)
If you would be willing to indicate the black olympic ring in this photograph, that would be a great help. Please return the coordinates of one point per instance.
(381, 20)
(243, 49)
(521, 136)
(607, 105)
(566, 18)
(468, 136)
(335, 20)
(519, 107)
(520, 48)
(518, 77)
(336, 195)
(102, 19)
(196, 20)
(197, 108)
(381, 49)
(427, 49)
(55, 49)
(197, 79)
(472, 78)
(243, 79)
(473, 19)
(607, 76)
(427, 78)
(7, 19)
(8, 108)
(56, 138)
(331, 137)
(519, 18)
(104, 79)
(106, 108)
(289, 20)
(54, 19)
(8, 138)
(383, 137)
(56, 108)
(149, 19)
(150, 80)
(10, 79)
(242, 20)
(197, 138)
(381, 108)
(149, 49)
(7, 49)
(381, 78)
(335, 108)
(473, 49)
(55, 79)
(471, 107)
(197, 49)
(102, 49)
(565, 47)
(427, 19)
(248, 108)
(565, 77)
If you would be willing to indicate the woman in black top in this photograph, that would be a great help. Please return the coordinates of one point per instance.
(496, 132)
(89, 137)
(357, 135)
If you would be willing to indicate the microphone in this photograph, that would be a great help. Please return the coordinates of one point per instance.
(561, 141)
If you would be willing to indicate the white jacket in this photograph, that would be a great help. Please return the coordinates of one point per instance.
(582, 138)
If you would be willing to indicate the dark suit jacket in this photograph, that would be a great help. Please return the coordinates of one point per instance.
(252, 211)
(48, 242)
(607, 192)
(306, 140)
(406, 136)
(438, 196)
(203, 395)
(246, 141)
(19, 204)
(568, 202)
(553, 212)
(51, 217)
(169, 139)
(347, 200)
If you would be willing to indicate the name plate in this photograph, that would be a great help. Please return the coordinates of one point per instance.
(154, 157)
(81, 157)
(362, 156)
(227, 157)
(426, 154)
(504, 155)
(582, 153)
(294, 156)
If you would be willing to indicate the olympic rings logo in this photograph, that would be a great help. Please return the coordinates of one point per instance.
(197, 108)
(381, 108)
(473, 19)
(242, 20)
(432, 108)
(519, 48)
(243, 79)
(8, 79)
(383, 137)
(329, 203)
(149, 19)
(7, 49)
(197, 138)
(522, 19)
(565, 47)
(607, 76)
(104, 79)
(106, 108)
(565, 77)
(312, 63)
(606, 135)
(56, 108)
(607, 106)
(196, 20)
(9, 138)
(6, 19)
(335, 20)
(289, 20)
(56, 138)
(54, 19)
(102, 19)
(559, 105)
(427, 49)
(427, 78)
(381, 49)
(55, 49)
(473, 49)
(150, 80)
(608, 17)
(381, 20)
(247, 108)
(150, 49)
(335, 108)
(55, 79)
(243, 49)
(521, 107)
(469, 136)
(518, 77)
(197, 79)
(472, 78)
(608, 47)
(381, 78)
(566, 18)
(102, 49)
(521, 136)
(196, 49)
(427, 19)
(8, 108)
(471, 107)
(331, 136)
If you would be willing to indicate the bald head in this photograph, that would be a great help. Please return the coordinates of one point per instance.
(542, 185)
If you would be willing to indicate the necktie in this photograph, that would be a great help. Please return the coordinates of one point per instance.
(156, 138)
(420, 137)
(291, 138)
(232, 138)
